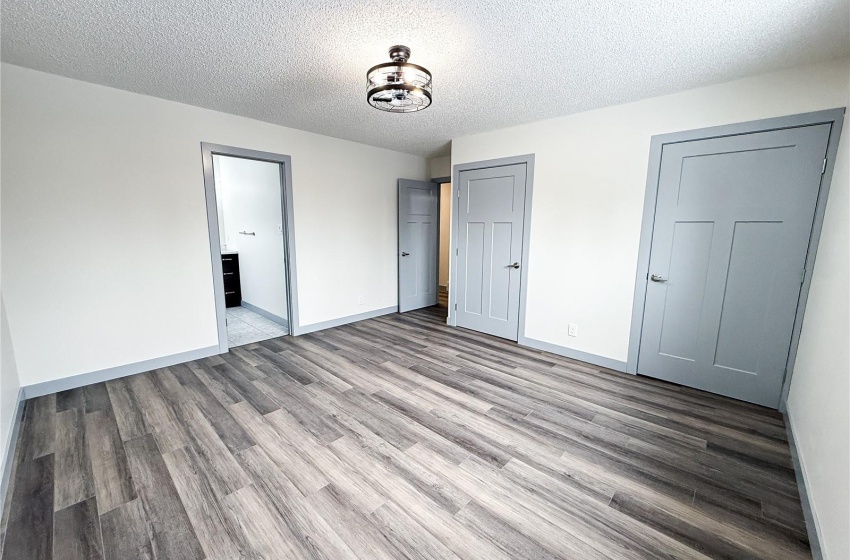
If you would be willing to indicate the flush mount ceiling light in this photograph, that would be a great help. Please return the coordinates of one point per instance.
(398, 86)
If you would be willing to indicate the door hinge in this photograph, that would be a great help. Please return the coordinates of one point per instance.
(456, 253)
(458, 194)
(455, 307)
(823, 169)
(803, 276)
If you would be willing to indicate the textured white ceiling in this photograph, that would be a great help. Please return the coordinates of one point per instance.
(302, 63)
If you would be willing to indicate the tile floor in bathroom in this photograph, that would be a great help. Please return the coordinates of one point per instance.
(244, 327)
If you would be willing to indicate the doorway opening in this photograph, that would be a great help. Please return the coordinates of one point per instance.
(249, 210)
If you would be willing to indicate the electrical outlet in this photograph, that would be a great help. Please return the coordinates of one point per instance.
(280, 229)
(360, 300)
(573, 330)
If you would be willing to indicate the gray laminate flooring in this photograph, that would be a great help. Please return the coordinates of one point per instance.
(398, 437)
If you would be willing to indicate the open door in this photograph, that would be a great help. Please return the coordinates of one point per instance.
(418, 243)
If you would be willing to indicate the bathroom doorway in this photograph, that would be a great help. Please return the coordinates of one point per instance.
(250, 230)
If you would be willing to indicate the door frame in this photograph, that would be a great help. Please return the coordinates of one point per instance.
(528, 160)
(833, 117)
(285, 164)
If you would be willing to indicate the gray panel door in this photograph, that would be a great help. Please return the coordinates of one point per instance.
(491, 207)
(732, 226)
(418, 247)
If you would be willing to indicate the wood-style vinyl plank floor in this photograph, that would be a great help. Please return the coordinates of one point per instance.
(398, 437)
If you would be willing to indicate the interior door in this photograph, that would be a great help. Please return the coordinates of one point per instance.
(491, 209)
(418, 243)
(732, 226)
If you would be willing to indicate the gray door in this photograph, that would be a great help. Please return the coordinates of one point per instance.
(491, 207)
(418, 243)
(732, 226)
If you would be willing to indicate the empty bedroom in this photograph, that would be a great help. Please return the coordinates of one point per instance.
(448, 280)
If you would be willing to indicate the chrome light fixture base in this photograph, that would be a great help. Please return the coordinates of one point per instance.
(398, 86)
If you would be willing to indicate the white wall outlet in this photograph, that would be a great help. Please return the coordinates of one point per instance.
(360, 300)
(573, 330)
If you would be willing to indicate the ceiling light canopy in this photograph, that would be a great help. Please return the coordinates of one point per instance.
(398, 86)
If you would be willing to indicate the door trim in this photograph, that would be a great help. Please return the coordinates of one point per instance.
(833, 117)
(207, 152)
(528, 160)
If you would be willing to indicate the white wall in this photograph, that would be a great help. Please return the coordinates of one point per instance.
(441, 167)
(589, 183)
(819, 401)
(249, 194)
(106, 258)
(9, 382)
(9, 386)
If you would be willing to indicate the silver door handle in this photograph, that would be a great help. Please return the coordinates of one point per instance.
(247, 233)
(403, 254)
(515, 265)
(656, 278)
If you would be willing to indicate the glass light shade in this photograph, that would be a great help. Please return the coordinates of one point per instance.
(398, 86)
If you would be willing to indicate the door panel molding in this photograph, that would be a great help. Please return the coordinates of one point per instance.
(528, 160)
(418, 244)
(833, 117)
